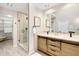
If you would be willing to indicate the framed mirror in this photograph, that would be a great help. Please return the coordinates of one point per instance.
(37, 21)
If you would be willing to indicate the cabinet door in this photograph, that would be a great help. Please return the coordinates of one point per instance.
(69, 50)
(42, 44)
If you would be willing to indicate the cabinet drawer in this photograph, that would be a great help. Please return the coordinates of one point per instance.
(53, 52)
(55, 43)
(54, 48)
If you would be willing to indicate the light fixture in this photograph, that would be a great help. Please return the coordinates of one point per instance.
(50, 11)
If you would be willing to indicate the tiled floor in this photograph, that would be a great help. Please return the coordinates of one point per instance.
(6, 49)
(36, 54)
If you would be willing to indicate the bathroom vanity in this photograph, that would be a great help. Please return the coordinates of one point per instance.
(58, 44)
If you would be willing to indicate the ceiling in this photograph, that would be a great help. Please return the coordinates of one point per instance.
(21, 7)
(46, 6)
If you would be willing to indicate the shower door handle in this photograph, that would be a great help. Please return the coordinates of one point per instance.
(26, 28)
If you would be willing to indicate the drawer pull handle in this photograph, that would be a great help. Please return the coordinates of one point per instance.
(53, 50)
(53, 45)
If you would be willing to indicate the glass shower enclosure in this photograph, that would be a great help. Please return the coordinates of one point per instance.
(23, 30)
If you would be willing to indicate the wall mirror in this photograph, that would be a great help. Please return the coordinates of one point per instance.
(65, 20)
(37, 21)
(50, 22)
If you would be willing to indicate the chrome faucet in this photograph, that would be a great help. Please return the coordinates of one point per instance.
(48, 32)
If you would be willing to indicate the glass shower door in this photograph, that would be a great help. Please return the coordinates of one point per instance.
(23, 31)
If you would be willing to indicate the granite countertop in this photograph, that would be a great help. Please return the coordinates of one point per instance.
(60, 36)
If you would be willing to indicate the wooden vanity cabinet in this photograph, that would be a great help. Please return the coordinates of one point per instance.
(42, 44)
(53, 47)
(69, 49)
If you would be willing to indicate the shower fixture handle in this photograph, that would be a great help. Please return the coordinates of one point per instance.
(26, 28)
